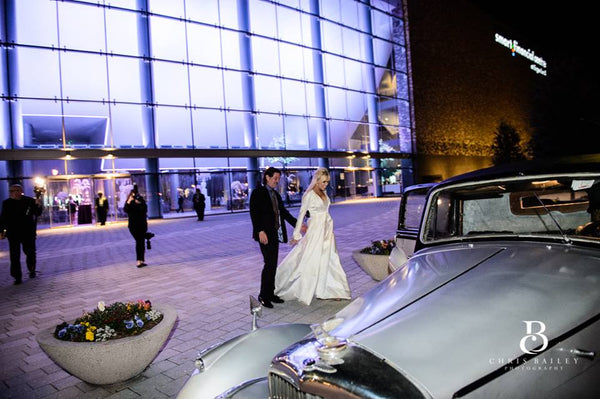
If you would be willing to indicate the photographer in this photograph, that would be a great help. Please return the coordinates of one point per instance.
(137, 210)
(18, 222)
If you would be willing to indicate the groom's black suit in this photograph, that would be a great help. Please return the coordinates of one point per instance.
(262, 214)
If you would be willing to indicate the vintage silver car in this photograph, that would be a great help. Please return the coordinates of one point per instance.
(501, 299)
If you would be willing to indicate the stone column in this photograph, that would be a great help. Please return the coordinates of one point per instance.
(248, 99)
(319, 92)
(148, 128)
(371, 87)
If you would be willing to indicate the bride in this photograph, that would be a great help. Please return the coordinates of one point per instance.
(312, 268)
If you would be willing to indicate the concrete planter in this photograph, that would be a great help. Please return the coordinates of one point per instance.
(113, 361)
(376, 266)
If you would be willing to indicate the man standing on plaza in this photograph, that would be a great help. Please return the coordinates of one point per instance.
(268, 228)
(18, 222)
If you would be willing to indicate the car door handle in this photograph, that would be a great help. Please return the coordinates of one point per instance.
(583, 353)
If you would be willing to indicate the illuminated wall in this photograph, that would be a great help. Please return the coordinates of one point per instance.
(260, 74)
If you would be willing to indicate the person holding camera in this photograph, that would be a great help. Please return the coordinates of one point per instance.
(137, 211)
(18, 222)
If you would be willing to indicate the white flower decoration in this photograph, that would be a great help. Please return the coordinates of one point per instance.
(101, 306)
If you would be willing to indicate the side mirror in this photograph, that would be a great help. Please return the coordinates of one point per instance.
(255, 311)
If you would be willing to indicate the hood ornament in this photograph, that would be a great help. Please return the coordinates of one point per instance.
(329, 346)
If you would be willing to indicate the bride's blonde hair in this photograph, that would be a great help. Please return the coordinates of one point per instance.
(319, 174)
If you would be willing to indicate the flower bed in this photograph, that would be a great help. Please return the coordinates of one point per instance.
(100, 358)
(381, 247)
(114, 321)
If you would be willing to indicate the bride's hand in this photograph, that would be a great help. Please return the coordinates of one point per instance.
(293, 242)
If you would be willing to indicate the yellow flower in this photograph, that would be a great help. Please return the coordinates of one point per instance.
(89, 336)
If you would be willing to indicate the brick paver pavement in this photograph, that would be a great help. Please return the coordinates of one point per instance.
(206, 270)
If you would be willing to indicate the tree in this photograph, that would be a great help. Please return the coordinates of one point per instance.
(506, 147)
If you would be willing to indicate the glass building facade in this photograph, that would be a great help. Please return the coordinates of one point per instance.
(174, 95)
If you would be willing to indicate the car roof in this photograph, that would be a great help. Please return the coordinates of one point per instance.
(583, 163)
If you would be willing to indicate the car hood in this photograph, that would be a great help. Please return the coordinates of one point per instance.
(449, 317)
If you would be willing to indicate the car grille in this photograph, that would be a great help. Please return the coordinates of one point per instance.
(279, 388)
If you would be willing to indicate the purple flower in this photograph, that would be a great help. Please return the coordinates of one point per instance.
(128, 324)
(139, 321)
(62, 333)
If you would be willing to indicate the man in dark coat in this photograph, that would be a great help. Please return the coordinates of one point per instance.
(18, 222)
(199, 201)
(137, 211)
(268, 228)
(101, 208)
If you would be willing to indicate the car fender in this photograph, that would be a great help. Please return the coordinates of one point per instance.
(239, 360)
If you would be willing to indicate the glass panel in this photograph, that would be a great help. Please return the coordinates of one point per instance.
(228, 13)
(334, 70)
(357, 106)
(265, 13)
(235, 129)
(170, 83)
(209, 128)
(267, 93)
(204, 45)
(332, 37)
(84, 76)
(173, 126)
(42, 15)
(127, 125)
(231, 49)
(203, 11)
(265, 57)
(293, 64)
(296, 133)
(167, 7)
(270, 131)
(336, 103)
(239, 191)
(294, 98)
(38, 73)
(207, 87)
(288, 25)
(129, 4)
(331, 10)
(81, 27)
(124, 79)
(168, 39)
(233, 89)
(121, 32)
(349, 11)
(352, 44)
(382, 51)
(85, 123)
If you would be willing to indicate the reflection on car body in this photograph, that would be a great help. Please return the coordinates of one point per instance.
(500, 299)
(410, 212)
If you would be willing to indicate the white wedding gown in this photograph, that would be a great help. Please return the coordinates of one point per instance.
(312, 268)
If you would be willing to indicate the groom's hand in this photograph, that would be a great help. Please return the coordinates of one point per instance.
(262, 238)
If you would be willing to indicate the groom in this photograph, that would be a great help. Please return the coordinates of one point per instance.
(268, 228)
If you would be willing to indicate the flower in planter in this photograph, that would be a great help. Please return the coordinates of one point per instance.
(107, 322)
(380, 247)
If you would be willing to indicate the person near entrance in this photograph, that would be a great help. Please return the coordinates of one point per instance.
(199, 201)
(268, 228)
(137, 211)
(18, 222)
(101, 208)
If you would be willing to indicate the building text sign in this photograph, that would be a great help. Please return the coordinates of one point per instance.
(539, 64)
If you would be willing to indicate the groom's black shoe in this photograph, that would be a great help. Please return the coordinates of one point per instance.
(265, 302)
(276, 299)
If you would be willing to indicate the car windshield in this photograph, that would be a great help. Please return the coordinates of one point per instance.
(558, 207)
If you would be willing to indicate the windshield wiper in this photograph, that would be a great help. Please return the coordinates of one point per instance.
(565, 238)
